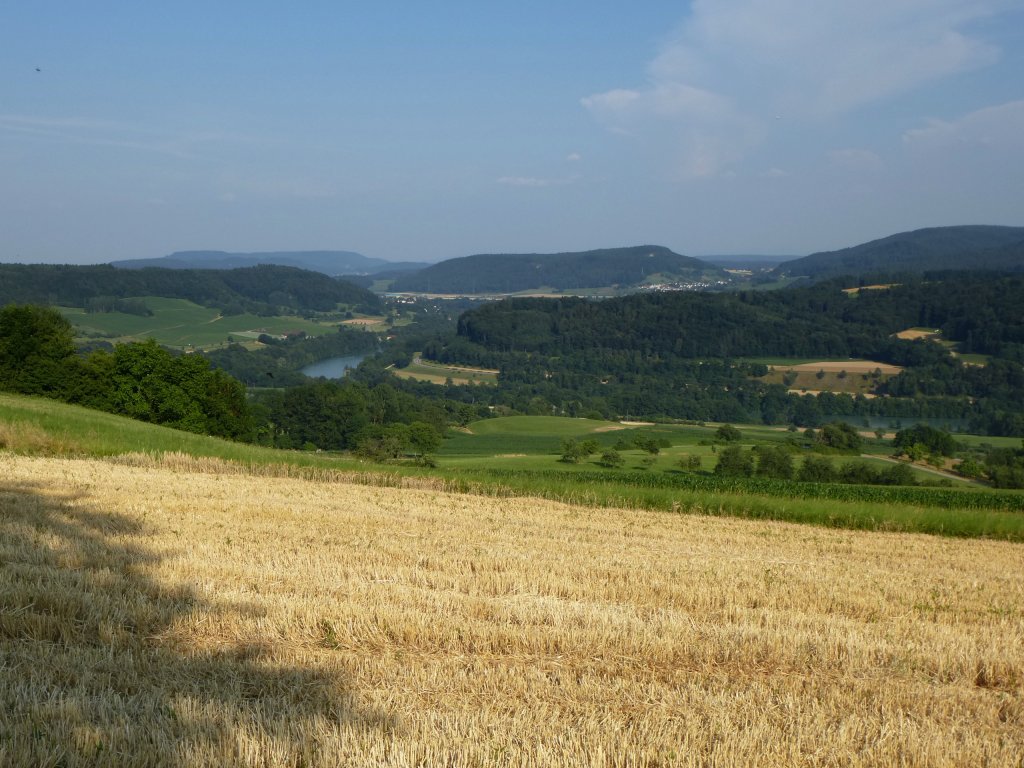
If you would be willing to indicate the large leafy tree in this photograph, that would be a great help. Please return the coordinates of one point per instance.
(146, 382)
(37, 351)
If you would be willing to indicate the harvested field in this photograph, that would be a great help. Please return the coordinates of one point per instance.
(853, 377)
(876, 287)
(865, 395)
(850, 366)
(918, 333)
(160, 617)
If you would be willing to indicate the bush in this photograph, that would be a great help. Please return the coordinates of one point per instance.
(969, 468)
(898, 474)
(816, 469)
(727, 433)
(933, 440)
(774, 461)
(735, 462)
(690, 462)
(573, 451)
(840, 436)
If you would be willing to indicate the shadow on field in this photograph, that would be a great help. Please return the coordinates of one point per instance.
(91, 673)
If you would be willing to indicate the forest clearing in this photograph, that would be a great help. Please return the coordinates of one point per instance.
(169, 613)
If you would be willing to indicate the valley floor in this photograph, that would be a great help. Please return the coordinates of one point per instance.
(177, 615)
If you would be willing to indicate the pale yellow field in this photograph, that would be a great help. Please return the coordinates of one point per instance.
(156, 616)
(877, 287)
(916, 333)
(850, 366)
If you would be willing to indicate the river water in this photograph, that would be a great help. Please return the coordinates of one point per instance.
(334, 367)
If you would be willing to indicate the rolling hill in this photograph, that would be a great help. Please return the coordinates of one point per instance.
(936, 248)
(623, 268)
(333, 263)
(252, 288)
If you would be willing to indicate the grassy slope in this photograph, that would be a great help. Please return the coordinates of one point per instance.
(49, 427)
(40, 426)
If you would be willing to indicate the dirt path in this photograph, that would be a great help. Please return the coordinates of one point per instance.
(932, 470)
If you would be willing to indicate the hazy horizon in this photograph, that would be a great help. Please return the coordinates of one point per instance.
(426, 132)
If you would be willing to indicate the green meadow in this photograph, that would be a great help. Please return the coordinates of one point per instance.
(182, 324)
(439, 373)
(518, 456)
(535, 442)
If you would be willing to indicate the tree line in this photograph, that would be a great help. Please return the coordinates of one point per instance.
(264, 289)
(680, 355)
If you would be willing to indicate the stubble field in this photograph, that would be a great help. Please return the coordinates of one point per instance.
(177, 615)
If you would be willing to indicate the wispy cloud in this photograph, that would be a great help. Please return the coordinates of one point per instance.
(1000, 127)
(735, 65)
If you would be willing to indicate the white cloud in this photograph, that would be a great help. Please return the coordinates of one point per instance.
(734, 65)
(573, 157)
(998, 127)
(826, 57)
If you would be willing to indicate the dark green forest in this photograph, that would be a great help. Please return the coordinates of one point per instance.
(981, 312)
(681, 355)
(264, 289)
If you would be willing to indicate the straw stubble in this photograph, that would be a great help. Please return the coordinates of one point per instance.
(155, 616)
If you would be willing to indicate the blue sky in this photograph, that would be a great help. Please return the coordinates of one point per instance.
(424, 131)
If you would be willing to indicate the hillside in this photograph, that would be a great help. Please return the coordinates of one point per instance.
(333, 263)
(623, 268)
(252, 288)
(938, 248)
(633, 356)
(802, 322)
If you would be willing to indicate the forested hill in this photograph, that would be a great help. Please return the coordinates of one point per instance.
(938, 248)
(510, 273)
(250, 289)
(981, 313)
(332, 263)
(681, 354)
